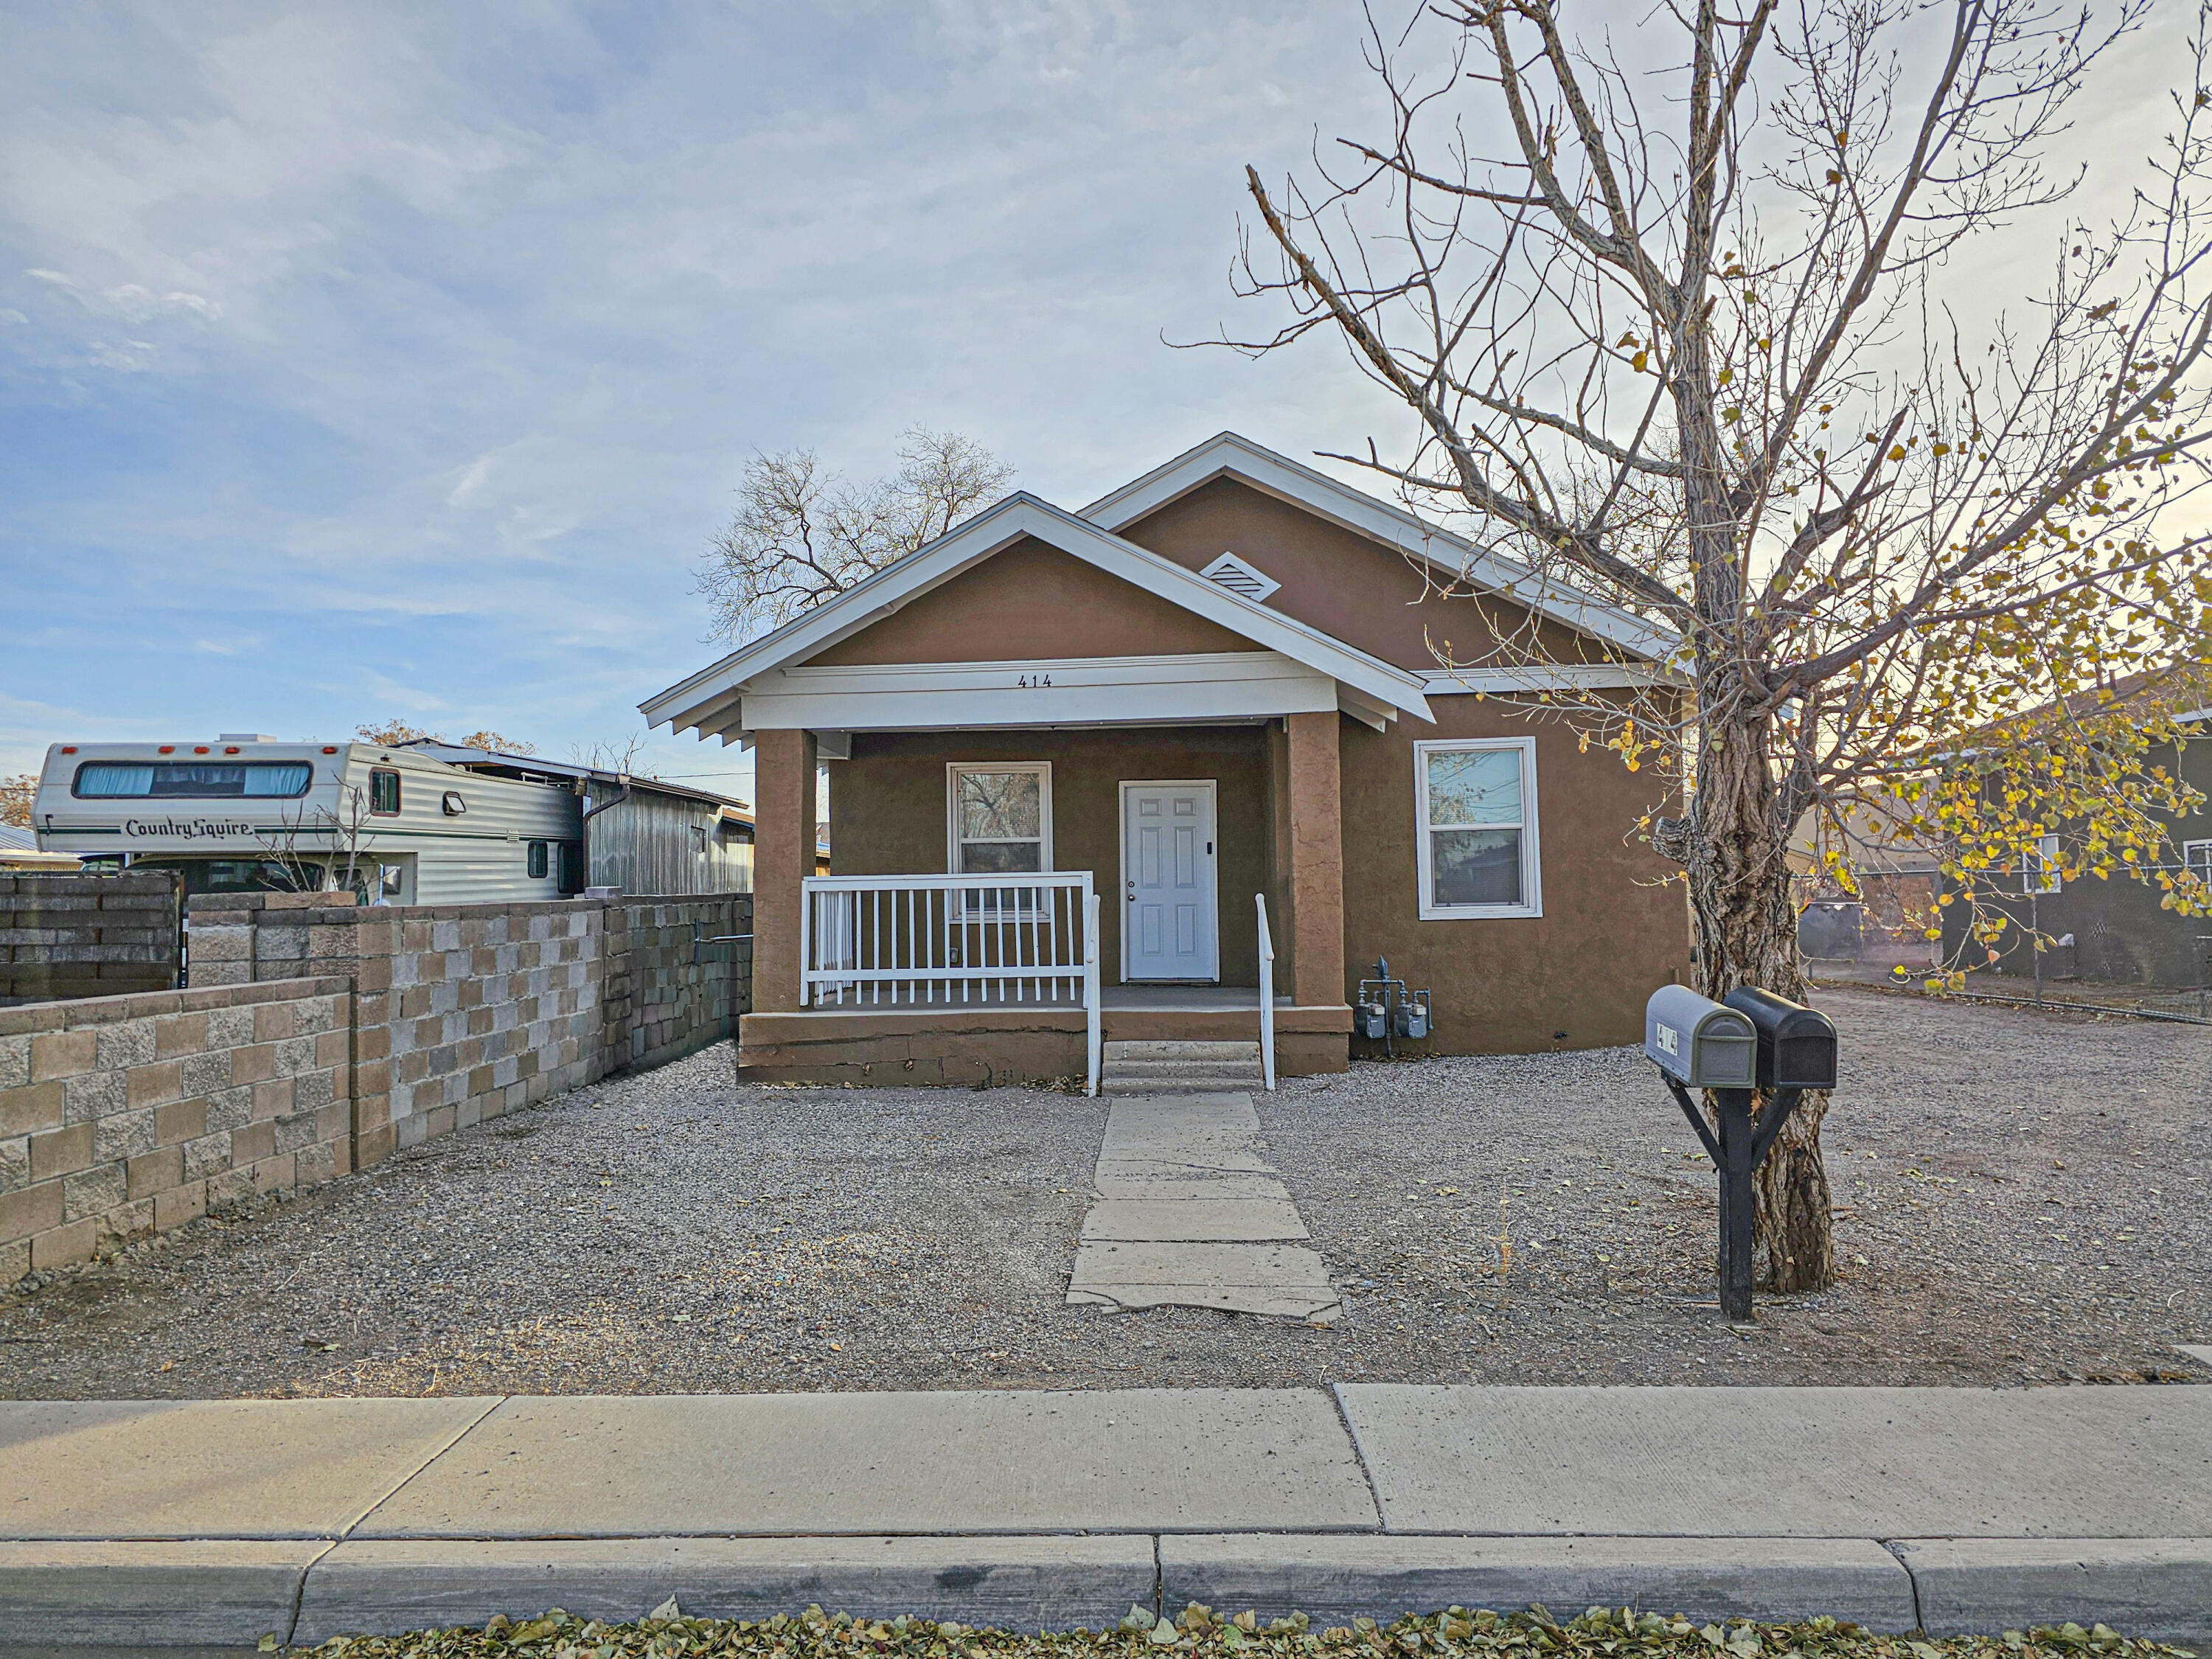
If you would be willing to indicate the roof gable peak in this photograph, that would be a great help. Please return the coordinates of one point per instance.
(1230, 454)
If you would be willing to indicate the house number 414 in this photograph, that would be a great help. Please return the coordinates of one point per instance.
(1033, 682)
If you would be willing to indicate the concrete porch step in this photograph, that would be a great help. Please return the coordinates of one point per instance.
(1182, 1068)
(1239, 1053)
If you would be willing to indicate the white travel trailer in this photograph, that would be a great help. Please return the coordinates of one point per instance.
(248, 813)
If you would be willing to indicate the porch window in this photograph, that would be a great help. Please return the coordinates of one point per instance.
(1477, 852)
(1000, 818)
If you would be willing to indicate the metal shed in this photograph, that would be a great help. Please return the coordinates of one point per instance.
(643, 836)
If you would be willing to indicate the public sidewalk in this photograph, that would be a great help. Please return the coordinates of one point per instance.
(210, 1524)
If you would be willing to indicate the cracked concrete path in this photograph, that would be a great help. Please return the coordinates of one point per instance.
(1191, 1215)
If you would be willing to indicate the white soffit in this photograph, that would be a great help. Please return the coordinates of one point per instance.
(1228, 685)
(1227, 454)
(711, 701)
(1240, 576)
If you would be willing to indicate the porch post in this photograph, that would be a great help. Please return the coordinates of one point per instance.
(1316, 875)
(783, 856)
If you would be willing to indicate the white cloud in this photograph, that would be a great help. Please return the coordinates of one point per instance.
(430, 340)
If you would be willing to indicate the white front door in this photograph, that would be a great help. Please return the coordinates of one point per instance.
(1168, 918)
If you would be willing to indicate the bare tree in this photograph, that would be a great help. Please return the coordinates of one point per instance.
(322, 850)
(396, 732)
(1693, 340)
(16, 794)
(619, 758)
(803, 534)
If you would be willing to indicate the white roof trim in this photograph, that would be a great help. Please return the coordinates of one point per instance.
(1227, 454)
(1548, 677)
(683, 705)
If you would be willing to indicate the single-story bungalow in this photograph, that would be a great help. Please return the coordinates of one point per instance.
(1115, 771)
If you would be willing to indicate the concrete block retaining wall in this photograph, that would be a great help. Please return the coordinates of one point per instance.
(86, 935)
(466, 1011)
(667, 1003)
(121, 1116)
(417, 1020)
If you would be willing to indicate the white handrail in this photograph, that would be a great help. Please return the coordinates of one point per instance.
(1267, 996)
(921, 941)
(1095, 1033)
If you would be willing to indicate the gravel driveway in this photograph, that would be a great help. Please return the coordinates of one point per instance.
(2021, 1197)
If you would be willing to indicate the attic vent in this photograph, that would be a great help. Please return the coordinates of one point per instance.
(1239, 577)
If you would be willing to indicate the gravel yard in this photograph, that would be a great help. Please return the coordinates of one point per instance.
(2021, 1198)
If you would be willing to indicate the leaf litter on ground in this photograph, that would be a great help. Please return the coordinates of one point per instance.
(1598, 1633)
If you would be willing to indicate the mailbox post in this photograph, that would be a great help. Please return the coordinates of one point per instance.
(1755, 1040)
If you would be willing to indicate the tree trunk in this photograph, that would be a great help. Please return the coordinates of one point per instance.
(1746, 934)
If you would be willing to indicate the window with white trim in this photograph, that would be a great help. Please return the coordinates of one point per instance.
(2196, 859)
(2039, 866)
(1475, 800)
(999, 818)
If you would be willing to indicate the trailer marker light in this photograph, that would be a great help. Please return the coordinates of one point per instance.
(69, 749)
(199, 749)
(166, 748)
(232, 750)
(330, 748)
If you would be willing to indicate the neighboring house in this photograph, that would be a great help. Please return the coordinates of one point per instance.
(1213, 687)
(18, 852)
(1886, 912)
(642, 837)
(2113, 931)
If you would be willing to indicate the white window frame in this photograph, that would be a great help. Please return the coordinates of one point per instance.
(2197, 853)
(1532, 861)
(954, 770)
(2039, 868)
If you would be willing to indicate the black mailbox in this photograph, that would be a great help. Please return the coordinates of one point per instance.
(1796, 1044)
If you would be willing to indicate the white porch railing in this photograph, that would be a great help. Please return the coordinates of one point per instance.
(952, 941)
(1266, 995)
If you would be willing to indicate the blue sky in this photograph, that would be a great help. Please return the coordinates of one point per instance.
(396, 360)
(378, 361)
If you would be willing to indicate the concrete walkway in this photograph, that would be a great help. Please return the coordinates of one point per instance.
(1955, 1510)
(1191, 1215)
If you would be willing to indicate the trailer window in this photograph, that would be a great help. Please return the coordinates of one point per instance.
(538, 860)
(180, 779)
(384, 793)
(574, 877)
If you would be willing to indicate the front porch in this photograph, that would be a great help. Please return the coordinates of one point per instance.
(929, 957)
(998, 1044)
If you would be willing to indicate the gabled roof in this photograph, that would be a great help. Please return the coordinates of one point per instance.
(1227, 455)
(711, 694)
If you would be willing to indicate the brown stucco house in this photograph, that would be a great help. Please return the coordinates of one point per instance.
(1206, 709)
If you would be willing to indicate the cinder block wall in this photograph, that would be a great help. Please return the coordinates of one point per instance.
(121, 1116)
(318, 1039)
(86, 935)
(466, 1011)
(668, 1003)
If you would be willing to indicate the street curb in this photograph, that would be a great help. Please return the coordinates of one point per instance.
(206, 1593)
(77, 1599)
(381, 1587)
(1335, 1579)
(2159, 1588)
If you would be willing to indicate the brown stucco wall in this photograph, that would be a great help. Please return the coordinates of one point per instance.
(1032, 600)
(1606, 938)
(887, 803)
(1364, 593)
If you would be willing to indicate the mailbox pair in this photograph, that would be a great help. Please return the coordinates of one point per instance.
(1753, 1039)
